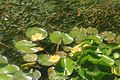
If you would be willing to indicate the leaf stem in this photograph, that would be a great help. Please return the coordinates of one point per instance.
(4, 44)
(57, 48)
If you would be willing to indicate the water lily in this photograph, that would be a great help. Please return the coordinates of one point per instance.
(37, 37)
(54, 58)
(76, 49)
(40, 48)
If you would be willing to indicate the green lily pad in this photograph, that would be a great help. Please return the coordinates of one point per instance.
(67, 48)
(116, 55)
(3, 60)
(43, 59)
(111, 36)
(33, 30)
(96, 38)
(5, 77)
(25, 46)
(65, 65)
(108, 36)
(118, 39)
(56, 37)
(107, 60)
(82, 35)
(75, 32)
(37, 74)
(52, 73)
(11, 68)
(66, 38)
(69, 65)
(30, 57)
(19, 75)
(91, 30)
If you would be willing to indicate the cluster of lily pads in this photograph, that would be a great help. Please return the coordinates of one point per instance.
(80, 54)
(13, 72)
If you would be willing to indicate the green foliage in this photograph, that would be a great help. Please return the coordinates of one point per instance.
(55, 37)
(13, 72)
(30, 57)
(53, 15)
(34, 30)
(16, 16)
(95, 57)
(58, 37)
(43, 59)
(25, 46)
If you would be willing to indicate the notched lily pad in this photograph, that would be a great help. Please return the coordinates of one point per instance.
(25, 46)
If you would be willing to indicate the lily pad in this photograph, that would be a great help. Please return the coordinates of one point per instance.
(96, 38)
(37, 74)
(5, 77)
(56, 37)
(118, 39)
(65, 65)
(3, 60)
(30, 57)
(11, 68)
(33, 30)
(43, 59)
(66, 38)
(91, 30)
(25, 46)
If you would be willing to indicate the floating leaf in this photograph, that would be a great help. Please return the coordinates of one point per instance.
(67, 48)
(51, 73)
(104, 34)
(111, 36)
(117, 62)
(108, 36)
(75, 32)
(66, 38)
(116, 55)
(92, 30)
(56, 37)
(11, 68)
(5, 77)
(69, 65)
(108, 61)
(36, 74)
(82, 35)
(25, 46)
(118, 39)
(2, 70)
(65, 65)
(43, 59)
(19, 75)
(96, 38)
(33, 30)
(30, 57)
(3, 60)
